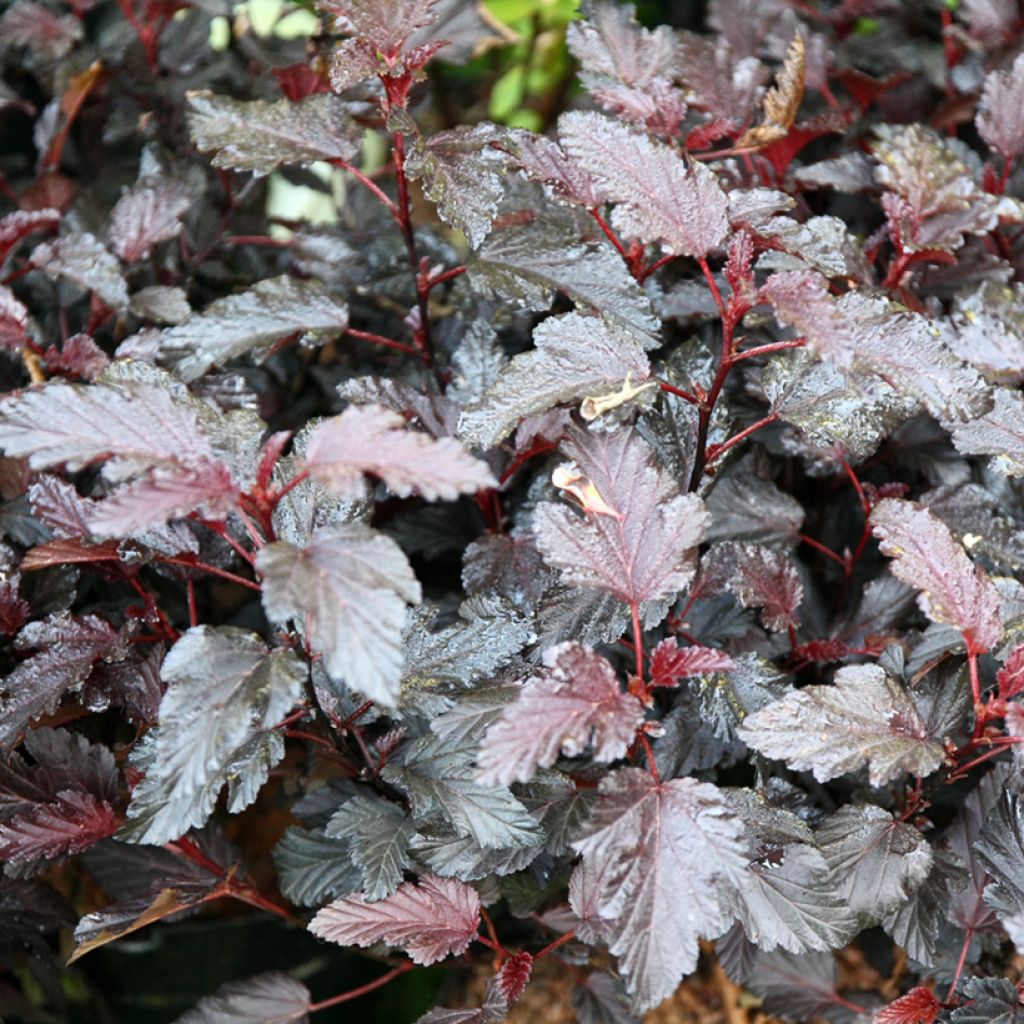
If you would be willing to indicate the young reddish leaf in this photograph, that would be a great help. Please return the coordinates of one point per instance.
(659, 850)
(865, 333)
(612, 46)
(647, 550)
(79, 356)
(575, 356)
(435, 919)
(928, 558)
(939, 202)
(575, 702)
(865, 719)
(272, 309)
(1000, 117)
(514, 975)
(628, 68)
(670, 663)
(57, 505)
(541, 159)
(260, 136)
(271, 998)
(767, 579)
(164, 494)
(22, 223)
(918, 1006)
(782, 102)
(13, 321)
(148, 213)
(1011, 676)
(372, 439)
(14, 612)
(659, 197)
(385, 24)
(72, 822)
(354, 585)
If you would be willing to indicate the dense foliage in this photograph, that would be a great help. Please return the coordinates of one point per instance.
(601, 542)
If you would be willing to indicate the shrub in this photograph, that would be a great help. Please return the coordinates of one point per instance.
(623, 559)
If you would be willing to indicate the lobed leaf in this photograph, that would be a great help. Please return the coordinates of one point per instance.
(435, 919)
(193, 753)
(353, 585)
(258, 136)
(1000, 118)
(371, 439)
(658, 196)
(268, 312)
(868, 333)
(928, 558)
(659, 850)
(865, 719)
(573, 704)
(528, 263)
(575, 356)
(637, 539)
(271, 998)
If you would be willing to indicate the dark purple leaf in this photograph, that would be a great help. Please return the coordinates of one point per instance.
(1000, 117)
(259, 136)
(658, 196)
(572, 704)
(660, 850)
(271, 998)
(85, 261)
(928, 558)
(192, 754)
(435, 919)
(371, 439)
(148, 213)
(352, 585)
(576, 357)
(67, 647)
(865, 719)
(269, 311)
(637, 536)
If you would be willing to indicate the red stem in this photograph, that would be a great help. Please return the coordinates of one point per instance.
(818, 546)
(378, 339)
(609, 233)
(638, 640)
(552, 946)
(290, 486)
(363, 990)
(765, 350)
(368, 183)
(710, 278)
(213, 570)
(448, 275)
(720, 449)
(652, 765)
(673, 390)
(968, 938)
